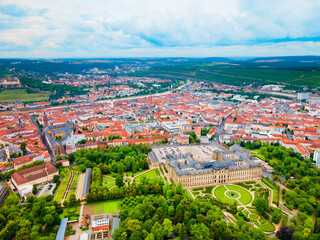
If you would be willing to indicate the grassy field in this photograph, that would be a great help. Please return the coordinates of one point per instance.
(151, 174)
(75, 181)
(275, 188)
(265, 225)
(69, 210)
(108, 182)
(245, 198)
(21, 95)
(204, 191)
(129, 173)
(63, 185)
(105, 207)
(209, 190)
(219, 193)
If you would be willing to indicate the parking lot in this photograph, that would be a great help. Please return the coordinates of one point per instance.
(45, 190)
(202, 153)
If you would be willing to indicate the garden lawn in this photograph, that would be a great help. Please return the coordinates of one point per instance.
(195, 193)
(63, 186)
(245, 198)
(58, 197)
(245, 212)
(267, 227)
(129, 173)
(71, 210)
(197, 189)
(258, 155)
(128, 180)
(219, 193)
(209, 189)
(150, 174)
(108, 182)
(106, 207)
(253, 216)
(275, 197)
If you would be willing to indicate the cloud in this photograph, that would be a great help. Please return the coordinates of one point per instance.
(12, 10)
(57, 28)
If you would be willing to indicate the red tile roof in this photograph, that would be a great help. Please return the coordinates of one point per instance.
(30, 174)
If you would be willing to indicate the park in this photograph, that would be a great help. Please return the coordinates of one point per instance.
(242, 195)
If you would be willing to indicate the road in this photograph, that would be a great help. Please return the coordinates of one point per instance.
(44, 140)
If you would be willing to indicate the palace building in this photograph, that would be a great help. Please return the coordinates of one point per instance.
(226, 166)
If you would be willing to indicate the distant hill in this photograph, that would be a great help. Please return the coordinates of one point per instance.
(287, 58)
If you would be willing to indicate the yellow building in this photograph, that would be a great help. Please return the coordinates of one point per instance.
(182, 139)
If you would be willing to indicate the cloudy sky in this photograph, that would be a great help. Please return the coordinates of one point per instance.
(158, 28)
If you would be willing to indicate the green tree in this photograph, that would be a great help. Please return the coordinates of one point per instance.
(156, 230)
(167, 227)
(23, 147)
(56, 178)
(261, 204)
(179, 188)
(276, 216)
(2, 221)
(133, 225)
(171, 210)
(48, 219)
(119, 180)
(285, 233)
(34, 189)
(181, 230)
(199, 232)
(123, 236)
(150, 237)
(72, 200)
(23, 234)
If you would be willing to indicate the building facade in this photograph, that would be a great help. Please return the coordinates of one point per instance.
(182, 139)
(229, 166)
(34, 175)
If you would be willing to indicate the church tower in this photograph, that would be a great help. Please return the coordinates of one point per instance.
(45, 120)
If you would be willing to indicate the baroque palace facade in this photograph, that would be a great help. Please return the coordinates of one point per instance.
(232, 165)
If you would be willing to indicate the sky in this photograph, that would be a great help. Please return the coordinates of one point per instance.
(158, 28)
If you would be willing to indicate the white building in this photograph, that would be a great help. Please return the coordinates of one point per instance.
(74, 139)
(303, 96)
(25, 191)
(316, 157)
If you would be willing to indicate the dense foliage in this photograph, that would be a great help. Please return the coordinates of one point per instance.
(58, 90)
(100, 193)
(113, 159)
(304, 193)
(171, 214)
(38, 219)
